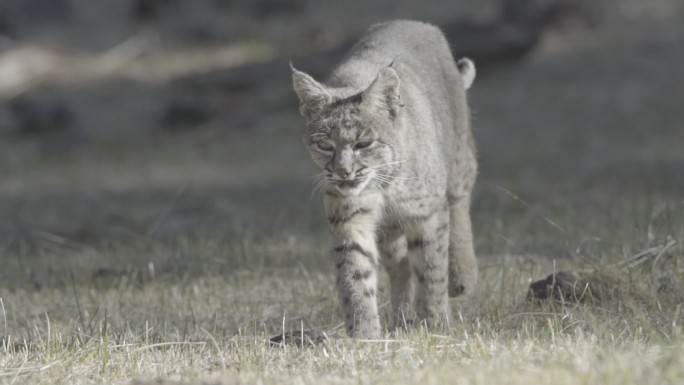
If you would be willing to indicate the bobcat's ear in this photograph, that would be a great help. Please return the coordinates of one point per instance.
(383, 93)
(467, 69)
(312, 95)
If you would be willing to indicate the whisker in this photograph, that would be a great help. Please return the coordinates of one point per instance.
(318, 185)
(391, 163)
(384, 180)
(397, 177)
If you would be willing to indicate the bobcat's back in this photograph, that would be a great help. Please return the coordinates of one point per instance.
(437, 118)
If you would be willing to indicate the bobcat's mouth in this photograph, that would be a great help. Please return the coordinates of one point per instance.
(348, 183)
(351, 186)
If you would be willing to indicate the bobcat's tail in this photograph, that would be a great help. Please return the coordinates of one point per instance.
(466, 68)
(462, 261)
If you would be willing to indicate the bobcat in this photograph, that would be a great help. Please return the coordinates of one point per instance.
(390, 132)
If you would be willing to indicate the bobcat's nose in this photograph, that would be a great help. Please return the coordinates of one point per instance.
(343, 173)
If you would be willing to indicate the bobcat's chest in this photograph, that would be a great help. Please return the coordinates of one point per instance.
(405, 209)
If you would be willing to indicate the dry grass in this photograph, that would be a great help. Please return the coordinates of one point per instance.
(211, 320)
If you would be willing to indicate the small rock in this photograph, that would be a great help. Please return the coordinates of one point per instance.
(562, 286)
(299, 338)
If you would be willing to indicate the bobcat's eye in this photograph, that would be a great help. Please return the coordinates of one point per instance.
(362, 145)
(324, 146)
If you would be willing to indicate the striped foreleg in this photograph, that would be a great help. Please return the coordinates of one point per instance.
(354, 250)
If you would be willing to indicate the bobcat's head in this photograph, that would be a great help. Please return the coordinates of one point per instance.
(349, 137)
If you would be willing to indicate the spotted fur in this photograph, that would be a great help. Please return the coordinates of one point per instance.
(390, 132)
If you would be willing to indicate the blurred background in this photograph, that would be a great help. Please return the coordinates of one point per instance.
(139, 133)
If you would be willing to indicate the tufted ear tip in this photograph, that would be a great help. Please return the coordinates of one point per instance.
(383, 93)
(312, 94)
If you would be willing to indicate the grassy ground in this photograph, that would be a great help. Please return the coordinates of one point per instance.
(211, 320)
(178, 256)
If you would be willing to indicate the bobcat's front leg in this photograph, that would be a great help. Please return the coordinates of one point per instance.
(352, 228)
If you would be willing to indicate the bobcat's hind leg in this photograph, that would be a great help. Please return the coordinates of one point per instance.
(393, 251)
(427, 242)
